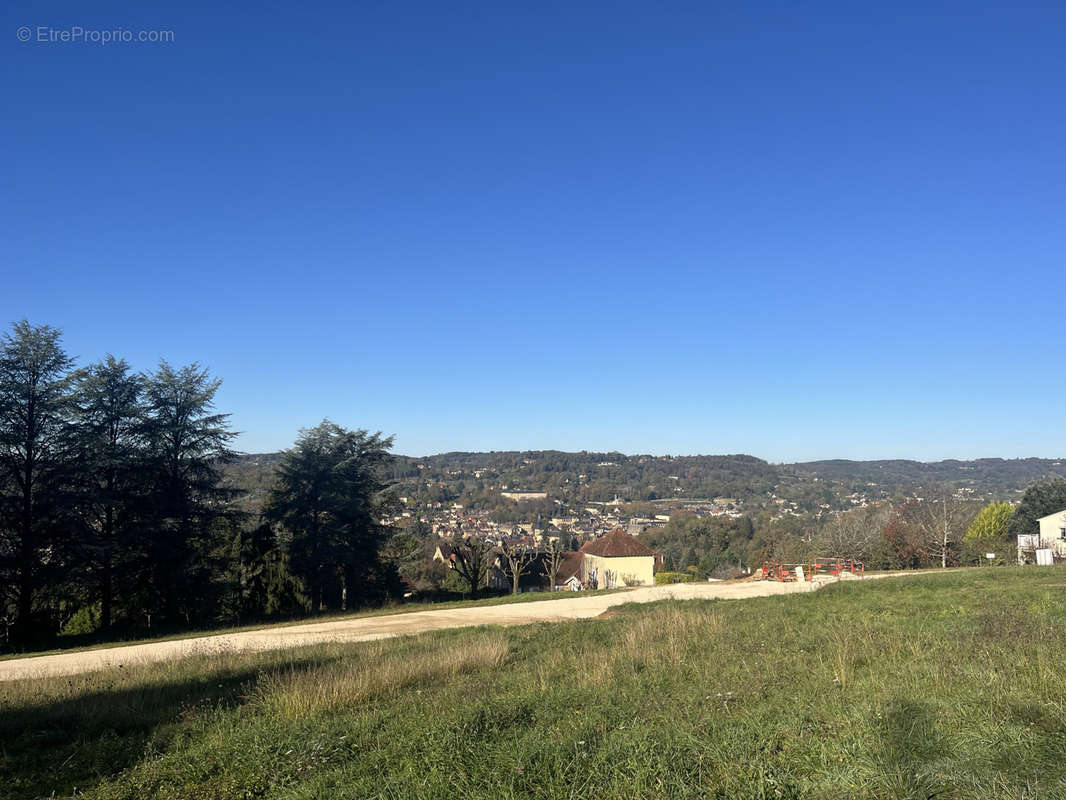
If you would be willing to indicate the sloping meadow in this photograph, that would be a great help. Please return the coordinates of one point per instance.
(947, 686)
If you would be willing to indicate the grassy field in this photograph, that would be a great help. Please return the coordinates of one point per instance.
(945, 686)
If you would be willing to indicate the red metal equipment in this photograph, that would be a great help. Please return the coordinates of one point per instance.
(777, 571)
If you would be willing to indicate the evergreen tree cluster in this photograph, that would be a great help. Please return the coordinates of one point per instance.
(115, 516)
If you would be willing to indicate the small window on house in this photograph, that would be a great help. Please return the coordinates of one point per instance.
(1062, 534)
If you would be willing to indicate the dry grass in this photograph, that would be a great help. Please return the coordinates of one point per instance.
(378, 669)
(129, 687)
(664, 639)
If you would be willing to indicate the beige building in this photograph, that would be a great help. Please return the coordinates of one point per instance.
(615, 560)
(524, 496)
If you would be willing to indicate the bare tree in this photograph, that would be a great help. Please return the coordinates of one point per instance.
(473, 559)
(941, 522)
(553, 561)
(517, 559)
(854, 534)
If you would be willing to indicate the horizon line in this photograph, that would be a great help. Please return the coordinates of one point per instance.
(691, 455)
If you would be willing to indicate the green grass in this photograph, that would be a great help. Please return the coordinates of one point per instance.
(405, 608)
(945, 686)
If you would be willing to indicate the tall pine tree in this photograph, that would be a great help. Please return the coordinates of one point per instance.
(328, 502)
(108, 435)
(187, 445)
(35, 407)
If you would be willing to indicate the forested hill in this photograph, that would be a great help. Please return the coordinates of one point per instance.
(476, 479)
(998, 476)
(590, 477)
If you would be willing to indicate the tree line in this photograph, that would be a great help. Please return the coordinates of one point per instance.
(115, 515)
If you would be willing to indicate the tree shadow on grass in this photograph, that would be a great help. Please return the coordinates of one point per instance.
(52, 747)
(910, 742)
(1040, 754)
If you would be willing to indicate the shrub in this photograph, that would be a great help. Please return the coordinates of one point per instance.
(673, 577)
(85, 620)
(455, 583)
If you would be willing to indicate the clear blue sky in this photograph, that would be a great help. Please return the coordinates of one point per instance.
(793, 230)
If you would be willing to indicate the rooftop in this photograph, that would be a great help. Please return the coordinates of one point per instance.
(615, 543)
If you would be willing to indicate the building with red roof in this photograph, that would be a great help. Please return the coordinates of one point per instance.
(617, 559)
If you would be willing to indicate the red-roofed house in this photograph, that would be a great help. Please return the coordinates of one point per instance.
(617, 559)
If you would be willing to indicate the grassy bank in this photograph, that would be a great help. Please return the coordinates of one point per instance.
(946, 686)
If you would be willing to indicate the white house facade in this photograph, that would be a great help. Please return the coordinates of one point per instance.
(1053, 533)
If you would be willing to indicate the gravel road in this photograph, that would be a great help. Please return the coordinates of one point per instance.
(361, 629)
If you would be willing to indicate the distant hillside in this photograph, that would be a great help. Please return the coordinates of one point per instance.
(591, 477)
(996, 476)
(476, 479)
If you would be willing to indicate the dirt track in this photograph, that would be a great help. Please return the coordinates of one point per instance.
(366, 628)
